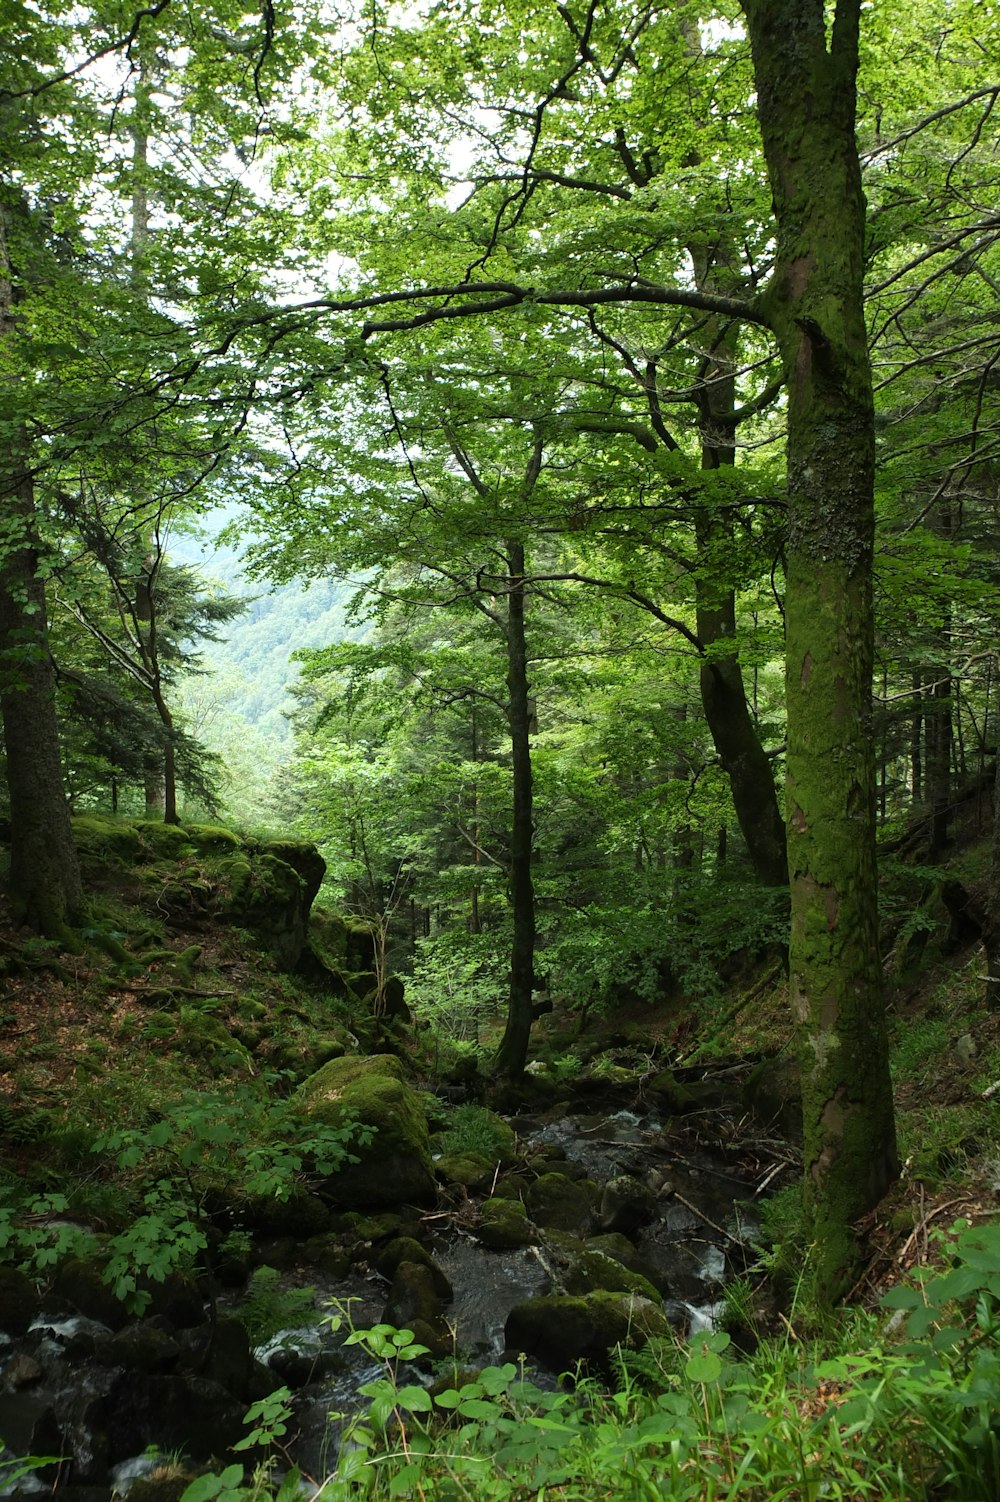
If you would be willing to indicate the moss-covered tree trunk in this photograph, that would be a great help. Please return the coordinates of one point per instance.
(513, 1051)
(44, 873)
(806, 64)
(991, 916)
(723, 691)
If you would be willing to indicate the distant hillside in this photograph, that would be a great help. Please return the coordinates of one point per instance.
(239, 705)
(251, 669)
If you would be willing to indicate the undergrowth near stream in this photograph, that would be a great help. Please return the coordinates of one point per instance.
(901, 1408)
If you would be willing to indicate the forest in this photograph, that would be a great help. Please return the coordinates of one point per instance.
(499, 610)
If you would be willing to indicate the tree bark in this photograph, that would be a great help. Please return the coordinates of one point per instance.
(723, 691)
(45, 886)
(513, 1051)
(991, 919)
(806, 104)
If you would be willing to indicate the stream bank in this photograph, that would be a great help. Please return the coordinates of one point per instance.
(607, 1222)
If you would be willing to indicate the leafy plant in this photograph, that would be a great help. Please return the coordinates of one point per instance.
(268, 1308)
(473, 1129)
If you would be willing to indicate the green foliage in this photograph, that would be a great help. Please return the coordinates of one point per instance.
(266, 1307)
(914, 1424)
(473, 1129)
(203, 1140)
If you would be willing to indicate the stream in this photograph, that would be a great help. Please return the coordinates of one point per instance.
(699, 1237)
(69, 1381)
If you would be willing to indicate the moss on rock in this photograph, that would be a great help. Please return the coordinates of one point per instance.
(504, 1225)
(395, 1166)
(101, 838)
(560, 1202)
(585, 1268)
(560, 1330)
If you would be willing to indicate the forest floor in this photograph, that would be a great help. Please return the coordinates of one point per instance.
(77, 1035)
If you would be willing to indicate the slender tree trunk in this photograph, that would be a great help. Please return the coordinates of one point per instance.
(917, 741)
(991, 921)
(806, 104)
(475, 917)
(45, 885)
(723, 691)
(161, 780)
(513, 1051)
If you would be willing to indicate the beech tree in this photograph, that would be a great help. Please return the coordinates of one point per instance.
(811, 301)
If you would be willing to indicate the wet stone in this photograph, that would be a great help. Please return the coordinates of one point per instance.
(22, 1371)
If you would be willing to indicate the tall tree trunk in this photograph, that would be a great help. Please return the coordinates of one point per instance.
(723, 691)
(513, 1051)
(991, 920)
(161, 779)
(45, 886)
(45, 882)
(806, 104)
(917, 740)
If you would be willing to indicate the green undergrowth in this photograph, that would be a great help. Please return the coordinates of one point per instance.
(901, 1407)
(169, 1169)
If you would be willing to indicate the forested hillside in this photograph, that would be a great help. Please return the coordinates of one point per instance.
(644, 366)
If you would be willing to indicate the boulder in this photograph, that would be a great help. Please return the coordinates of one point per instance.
(139, 1347)
(560, 1330)
(466, 1169)
(395, 1166)
(560, 1202)
(79, 1284)
(584, 1268)
(28, 1426)
(19, 1303)
(773, 1092)
(172, 1412)
(504, 1225)
(406, 1249)
(626, 1204)
(414, 1304)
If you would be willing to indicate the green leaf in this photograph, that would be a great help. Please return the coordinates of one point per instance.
(414, 1399)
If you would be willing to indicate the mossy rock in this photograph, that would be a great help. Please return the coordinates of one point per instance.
(369, 1229)
(395, 1167)
(100, 838)
(408, 1249)
(78, 1282)
(328, 1255)
(19, 1303)
(266, 895)
(584, 1268)
(603, 1073)
(202, 1036)
(301, 1213)
(560, 1330)
(163, 842)
(415, 1304)
(511, 1186)
(773, 1092)
(208, 839)
(561, 1203)
(303, 858)
(670, 1093)
(627, 1203)
(504, 1225)
(341, 944)
(614, 1244)
(467, 1169)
